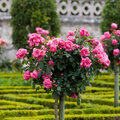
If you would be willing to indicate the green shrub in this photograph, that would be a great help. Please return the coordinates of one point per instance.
(29, 14)
(110, 14)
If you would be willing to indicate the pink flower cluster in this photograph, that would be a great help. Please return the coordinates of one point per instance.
(27, 75)
(84, 32)
(35, 39)
(86, 62)
(68, 44)
(33, 75)
(106, 36)
(114, 42)
(114, 26)
(38, 53)
(84, 52)
(101, 55)
(47, 83)
(21, 53)
(116, 52)
(51, 63)
(42, 31)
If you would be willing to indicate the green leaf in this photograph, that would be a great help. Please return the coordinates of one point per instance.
(39, 75)
(59, 88)
(41, 65)
(48, 71)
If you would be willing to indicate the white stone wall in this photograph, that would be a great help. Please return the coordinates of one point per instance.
(6, 34)
(93, 28)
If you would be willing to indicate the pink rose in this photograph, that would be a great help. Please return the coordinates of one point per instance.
(95, 41)
(102, 38)
(118, 32)
(116, 52)
(70, 38)
(84, 32)
(51, 63)
(62, 43)
(86, 62)
(114, 42)
(2, 42)
(27, 75)
(21, 53)
(68, 44)
(38, 30)
(55, 41)
(45, 76)
(37, 53)
(107, 35)
(35, 74)
(53, 48)
(71, 33)
(47, 83)
(114, 26)
(84, 52)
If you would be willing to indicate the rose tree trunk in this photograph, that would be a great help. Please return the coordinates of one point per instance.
(61, 107)
(116, 87)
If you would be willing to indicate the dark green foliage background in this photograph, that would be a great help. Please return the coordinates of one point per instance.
(29, 14)
(110, 14)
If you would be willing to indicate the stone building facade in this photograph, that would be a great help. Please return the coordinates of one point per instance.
(73, 14)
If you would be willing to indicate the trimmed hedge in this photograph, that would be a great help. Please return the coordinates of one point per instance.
(71, 117)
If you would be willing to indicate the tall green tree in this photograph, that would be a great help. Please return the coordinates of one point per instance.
(29, 14)
(110, 14)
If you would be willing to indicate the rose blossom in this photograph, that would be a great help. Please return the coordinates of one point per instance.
(68, 45)
(107, 35)
(37, 53)
(55, 41)
(45, 76)
(102, 38)
(70, 38)
(116, 52)
(51, 63)
(84, 32)
(71, 33)
(86, 62)
(27, 75)
(21, 53)
(53, 48)
(84, 52)
(114, 42)
(114, 25)
(118, 32)
(95, 41)
(35, 74)
(47, 83)
(2, 42)
(62, 43)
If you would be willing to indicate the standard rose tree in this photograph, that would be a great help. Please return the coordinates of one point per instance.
(63, 66)
(111, 43)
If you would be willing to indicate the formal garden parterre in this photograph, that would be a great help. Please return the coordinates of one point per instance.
(24, 103)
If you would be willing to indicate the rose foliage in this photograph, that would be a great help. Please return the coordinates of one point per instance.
(111, 43)
(63, 66)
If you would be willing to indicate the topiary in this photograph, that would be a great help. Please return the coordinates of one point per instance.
(110, 14)
(29, 14)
